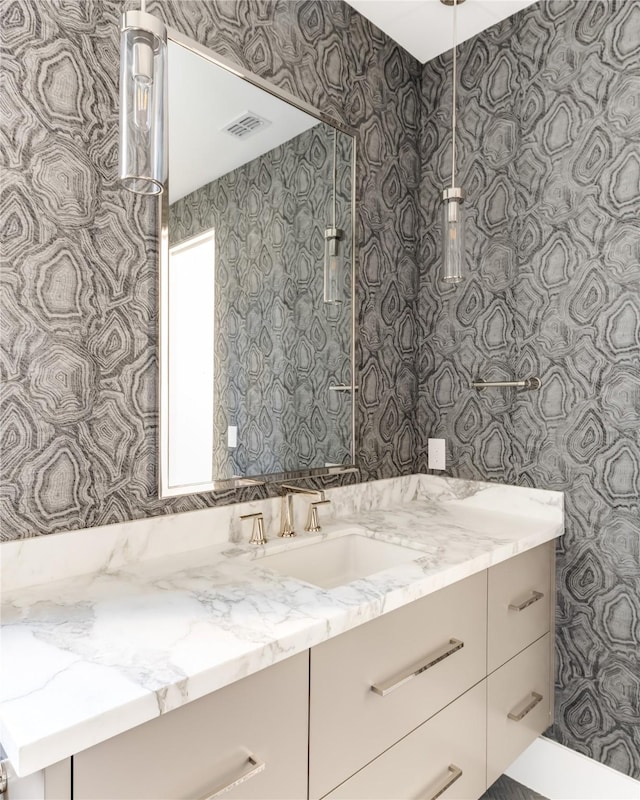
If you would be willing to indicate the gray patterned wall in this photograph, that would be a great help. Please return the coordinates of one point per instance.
(79, 263)
(279, 346)
(550, 159)
(549, 154)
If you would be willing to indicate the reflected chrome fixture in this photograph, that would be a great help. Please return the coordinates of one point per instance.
(287, 525)
(527, 383)
(343, 387)
(143, 55)
(453, 197)
(332, 247)
(257, 530)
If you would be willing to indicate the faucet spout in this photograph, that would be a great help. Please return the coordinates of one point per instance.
(287, 528)
(302, 490)
(287, 524)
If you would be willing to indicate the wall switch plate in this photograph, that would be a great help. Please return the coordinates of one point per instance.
(437, 453)
(232, 436)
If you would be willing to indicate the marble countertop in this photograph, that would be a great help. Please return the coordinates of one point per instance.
(92, 655)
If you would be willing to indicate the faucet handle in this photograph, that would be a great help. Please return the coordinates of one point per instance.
(313, 522)
(257, 531)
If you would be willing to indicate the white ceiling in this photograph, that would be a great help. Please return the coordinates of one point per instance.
(425, 27)
(203, 98)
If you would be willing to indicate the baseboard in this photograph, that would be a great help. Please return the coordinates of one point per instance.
(559, 773)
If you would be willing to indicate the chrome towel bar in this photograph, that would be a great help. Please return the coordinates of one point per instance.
(527, 383)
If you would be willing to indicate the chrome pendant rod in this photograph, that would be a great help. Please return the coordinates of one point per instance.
(335, 174)
(527, 383)
(453, 110)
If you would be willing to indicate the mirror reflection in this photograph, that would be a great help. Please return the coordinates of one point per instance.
(256, 325)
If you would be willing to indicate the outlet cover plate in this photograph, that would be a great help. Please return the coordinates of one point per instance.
(232, 436)
(437, 453)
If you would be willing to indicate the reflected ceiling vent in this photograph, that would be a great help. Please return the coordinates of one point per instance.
(246, 125)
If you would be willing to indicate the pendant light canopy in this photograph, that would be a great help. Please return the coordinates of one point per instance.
(143, 54)
(453, 197)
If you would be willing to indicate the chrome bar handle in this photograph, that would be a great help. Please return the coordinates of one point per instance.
(453, 773)
(527, 383)
(343, 387)
(535, 596)
(255, 766)
(257, 531)
(535, 699)
(391, 684)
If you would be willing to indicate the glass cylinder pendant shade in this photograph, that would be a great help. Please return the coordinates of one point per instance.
(143, 48)
(453, 236)
(332, 265)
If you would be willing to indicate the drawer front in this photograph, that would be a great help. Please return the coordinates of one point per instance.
(448, 750)
(518, 706)
(519, 603)
(205, 745)
(350, 722)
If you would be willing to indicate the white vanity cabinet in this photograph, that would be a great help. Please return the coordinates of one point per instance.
(376, 683)
(518, 706)
(444, 757)
(252, 733)
(433, 699)
(463, 717)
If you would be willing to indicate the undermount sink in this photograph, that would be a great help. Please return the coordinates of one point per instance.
(335, 562)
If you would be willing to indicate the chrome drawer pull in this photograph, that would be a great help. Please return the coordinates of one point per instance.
(535, 596)
(413, 671)
(255, 767)
(453, 773)
(535, 699)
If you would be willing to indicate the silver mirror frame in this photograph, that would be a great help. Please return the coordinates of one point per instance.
(165, 491)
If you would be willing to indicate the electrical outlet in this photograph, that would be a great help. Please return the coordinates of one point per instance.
(232, 436)
(437, 453)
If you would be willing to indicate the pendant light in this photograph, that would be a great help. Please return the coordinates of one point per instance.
(453, 197)
(332, 243)
(143, 54)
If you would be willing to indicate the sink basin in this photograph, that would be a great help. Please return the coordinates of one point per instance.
(334, 562)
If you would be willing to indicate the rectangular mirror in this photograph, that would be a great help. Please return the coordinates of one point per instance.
(256, 307)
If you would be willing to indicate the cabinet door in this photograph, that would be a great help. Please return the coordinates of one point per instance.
(520, 594)
(198, 749)
(518, 706)
(447, 751)
(355, 711)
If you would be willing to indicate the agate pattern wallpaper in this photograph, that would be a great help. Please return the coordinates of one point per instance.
(79, 278)
(549, 154)
(550, 158)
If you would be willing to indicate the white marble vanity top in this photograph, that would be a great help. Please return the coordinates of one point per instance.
(89, 656)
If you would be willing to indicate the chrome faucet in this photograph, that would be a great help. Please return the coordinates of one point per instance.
(287, 527)
(257, 531)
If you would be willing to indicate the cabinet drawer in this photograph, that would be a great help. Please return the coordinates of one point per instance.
(519, 603)
(351, 724)
(518, 706)
(434, 755)
(200, 747)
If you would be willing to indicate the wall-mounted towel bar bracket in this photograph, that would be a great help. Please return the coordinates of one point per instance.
(527, 383)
